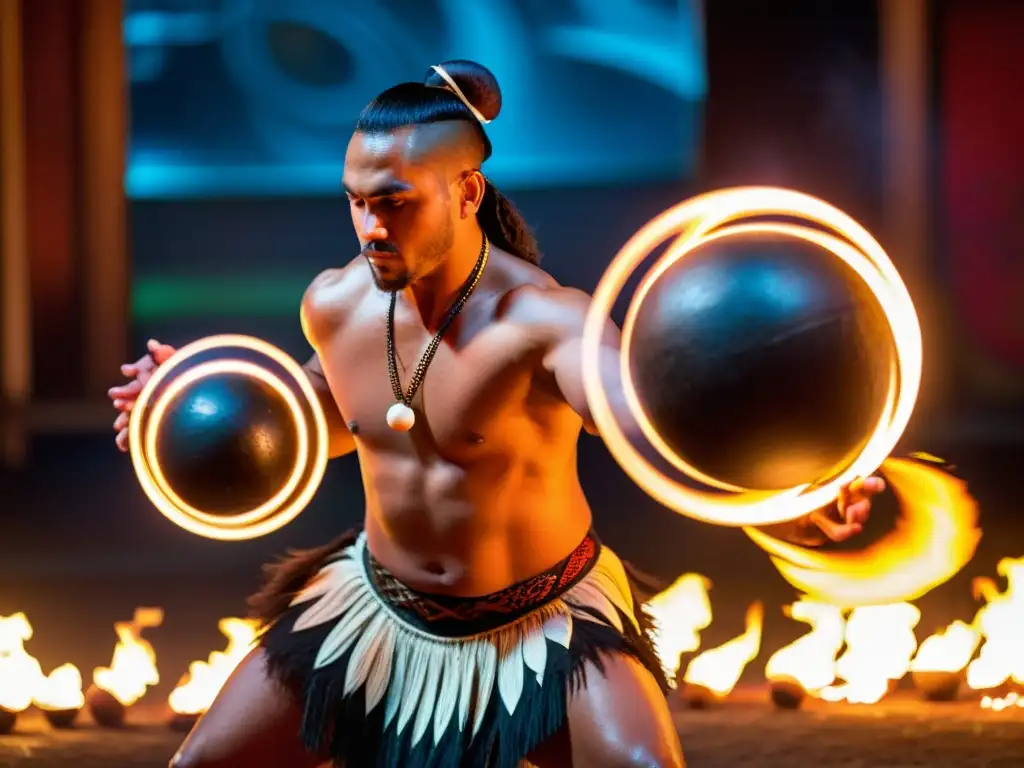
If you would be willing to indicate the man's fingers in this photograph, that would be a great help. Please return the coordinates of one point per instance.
(863, 487)
(160, 353)
(857, 491)
(122, 440)
(132, 389)
(836, 531)
(843, 500)
(127, 391)
(858, 511)
(121, 422)
(163, 353)
(873, 485)
(144, 363)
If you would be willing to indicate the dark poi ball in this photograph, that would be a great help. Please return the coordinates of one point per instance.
(762, 360)
(227, 443)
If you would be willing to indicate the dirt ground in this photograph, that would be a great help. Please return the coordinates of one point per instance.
(899, 731)
(747, 731)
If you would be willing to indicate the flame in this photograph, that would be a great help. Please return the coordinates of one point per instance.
(1001, 622)
(133, 668)
(678, 615)
(203, 682)
(999, 704)
(880, 643)
(20, 672)
(935, 536)
(719, 669)
(62, 690)
(810, 660)
(948, 650)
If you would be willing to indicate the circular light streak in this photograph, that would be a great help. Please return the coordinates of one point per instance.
(703, 219)
(307, 416)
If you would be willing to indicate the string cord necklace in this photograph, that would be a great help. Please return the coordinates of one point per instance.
(401, 416)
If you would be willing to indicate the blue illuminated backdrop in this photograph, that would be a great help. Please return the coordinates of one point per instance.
(258, 97)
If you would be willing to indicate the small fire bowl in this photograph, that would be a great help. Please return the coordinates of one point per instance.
(61, 718)
(8, 720)
(183, 722)
(787, 693)
(699, 697)
(937, 685)
(105, 709)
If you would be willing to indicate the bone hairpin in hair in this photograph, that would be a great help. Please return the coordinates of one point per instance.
(458, 92)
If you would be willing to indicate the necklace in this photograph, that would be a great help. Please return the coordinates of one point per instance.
(401, 416)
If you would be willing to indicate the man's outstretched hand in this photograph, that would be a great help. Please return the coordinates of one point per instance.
(837, 522)
(125, 395)
(847, 516)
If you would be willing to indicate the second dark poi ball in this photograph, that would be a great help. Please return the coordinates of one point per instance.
(762, 360)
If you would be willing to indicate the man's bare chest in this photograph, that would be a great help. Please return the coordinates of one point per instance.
(476, 382)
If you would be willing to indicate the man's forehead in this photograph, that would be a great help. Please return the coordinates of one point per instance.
(380, 160)
(430, 146)
(374, 151)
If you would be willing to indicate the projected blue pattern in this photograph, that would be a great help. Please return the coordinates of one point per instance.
(258, 97)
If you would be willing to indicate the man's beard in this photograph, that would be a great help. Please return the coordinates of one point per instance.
(391, 283)
(432, 255)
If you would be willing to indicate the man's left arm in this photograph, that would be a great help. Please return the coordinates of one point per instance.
(563, 360)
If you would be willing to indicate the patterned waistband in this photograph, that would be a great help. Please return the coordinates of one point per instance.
(451, 616)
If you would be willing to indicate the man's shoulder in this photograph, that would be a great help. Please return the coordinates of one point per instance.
(331, 295)
(547, 304)
(551, 313)
(334, 289)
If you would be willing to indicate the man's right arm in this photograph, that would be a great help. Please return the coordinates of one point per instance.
(341, 441)
(322, 311)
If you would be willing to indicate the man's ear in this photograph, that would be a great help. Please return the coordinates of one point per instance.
(473, 187)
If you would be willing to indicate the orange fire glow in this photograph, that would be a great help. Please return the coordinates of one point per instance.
(678, 614)
(880, 643)
(810, 660)
(133, 667)
(1001, 623)
(204, 679)
(61, 690)
(20, 672)
(719, 669)
(22, 682)
(935, 536)
(948, 650)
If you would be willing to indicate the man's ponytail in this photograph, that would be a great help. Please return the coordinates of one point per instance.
(505, 227)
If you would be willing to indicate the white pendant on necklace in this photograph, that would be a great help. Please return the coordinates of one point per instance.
(401, 417)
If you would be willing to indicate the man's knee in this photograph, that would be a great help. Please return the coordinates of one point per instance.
(620, 719)
(644, 756)
(623, 753)
(206, 747)
(192, 755)
(183, 758)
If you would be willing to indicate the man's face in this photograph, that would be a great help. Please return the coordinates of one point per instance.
(403, 210)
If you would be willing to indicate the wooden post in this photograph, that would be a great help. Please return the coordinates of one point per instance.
(15, 308)
(905, 72)
(50, 30)
(904, 68)
(103, 218)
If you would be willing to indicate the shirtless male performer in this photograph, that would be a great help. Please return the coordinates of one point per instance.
(476, 619)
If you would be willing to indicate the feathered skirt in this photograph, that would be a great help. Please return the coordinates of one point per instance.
(390, 677)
